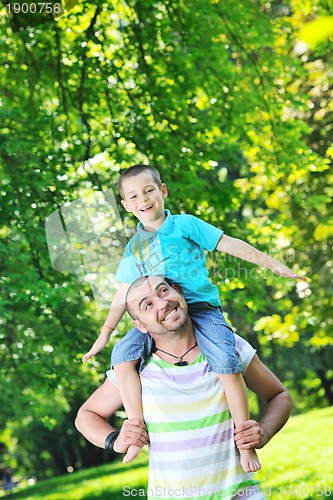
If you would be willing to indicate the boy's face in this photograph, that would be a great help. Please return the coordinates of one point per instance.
(144, 199)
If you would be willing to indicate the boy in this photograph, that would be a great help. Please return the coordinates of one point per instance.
(174, 246)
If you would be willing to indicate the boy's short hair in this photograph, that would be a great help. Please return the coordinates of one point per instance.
(136, 170)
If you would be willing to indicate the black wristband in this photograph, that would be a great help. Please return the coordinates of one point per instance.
(109, 442)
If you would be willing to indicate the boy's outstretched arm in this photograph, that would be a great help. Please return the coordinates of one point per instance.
(115, 314)
(242, 250)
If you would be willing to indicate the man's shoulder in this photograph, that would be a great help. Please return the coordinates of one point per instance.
(241, 343)
(244, 350)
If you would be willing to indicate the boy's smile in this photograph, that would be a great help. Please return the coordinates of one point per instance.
(145, 199)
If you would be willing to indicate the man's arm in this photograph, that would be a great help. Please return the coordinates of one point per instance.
(92, 417)
(242, 250)
(268, 387)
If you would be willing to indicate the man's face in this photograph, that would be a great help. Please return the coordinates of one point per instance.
(158, 307)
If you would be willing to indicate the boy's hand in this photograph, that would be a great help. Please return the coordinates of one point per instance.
(100, 343)
(133, 432)
(285, 272)
(90, 354)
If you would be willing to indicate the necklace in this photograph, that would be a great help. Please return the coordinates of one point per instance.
(180, 362)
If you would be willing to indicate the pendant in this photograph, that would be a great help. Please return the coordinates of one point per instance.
(181, 363)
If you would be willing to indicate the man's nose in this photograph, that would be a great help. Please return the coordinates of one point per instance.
(161, 302)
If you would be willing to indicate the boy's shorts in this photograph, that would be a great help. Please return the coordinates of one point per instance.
(214, 335)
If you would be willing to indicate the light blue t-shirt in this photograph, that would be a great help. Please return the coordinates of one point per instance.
(176, 251)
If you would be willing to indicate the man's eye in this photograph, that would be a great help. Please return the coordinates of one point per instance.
(147, 306)
(164, 290)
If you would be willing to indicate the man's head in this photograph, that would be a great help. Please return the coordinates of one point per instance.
(143, 193)
(156, 306)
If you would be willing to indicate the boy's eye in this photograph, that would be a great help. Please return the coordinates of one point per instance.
(149, 190)
(132, 197)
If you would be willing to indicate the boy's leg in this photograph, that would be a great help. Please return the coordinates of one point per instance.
(129, 355)
(129, 385)
(237, 400)
(216, 340)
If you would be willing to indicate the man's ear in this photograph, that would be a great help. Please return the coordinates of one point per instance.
(178, 289)
(139, 326)
(124, 204)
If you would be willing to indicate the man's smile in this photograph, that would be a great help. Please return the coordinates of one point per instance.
(170, 314)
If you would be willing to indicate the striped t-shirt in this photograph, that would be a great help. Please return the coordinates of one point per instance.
(192, 453)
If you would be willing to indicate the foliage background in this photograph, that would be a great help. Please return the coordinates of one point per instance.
(240, 126)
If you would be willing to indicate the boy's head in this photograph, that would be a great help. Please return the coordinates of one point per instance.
(143, 193)
(137, 170)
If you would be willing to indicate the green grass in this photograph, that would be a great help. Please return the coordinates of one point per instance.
(297, 465)
(298, 462)
(105, 482)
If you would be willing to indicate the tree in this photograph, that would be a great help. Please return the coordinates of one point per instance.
(213, 94)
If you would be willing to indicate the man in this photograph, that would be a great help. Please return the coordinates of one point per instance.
(192, 451)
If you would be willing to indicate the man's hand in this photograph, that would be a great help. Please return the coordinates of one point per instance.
(133, 432)
(250, 435)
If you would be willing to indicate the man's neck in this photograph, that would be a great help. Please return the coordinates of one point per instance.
(176, 342)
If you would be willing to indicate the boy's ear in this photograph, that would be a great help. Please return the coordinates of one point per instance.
(139, 326)
(124, 204)
(164, 190)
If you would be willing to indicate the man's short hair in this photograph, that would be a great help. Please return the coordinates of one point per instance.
(136, 170)
(136, 284)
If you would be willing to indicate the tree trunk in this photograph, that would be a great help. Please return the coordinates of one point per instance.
(327, 385)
